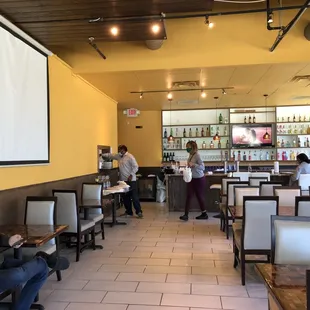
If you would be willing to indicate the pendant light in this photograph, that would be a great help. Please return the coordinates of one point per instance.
(266, 136)
(170, 138)
(217, 136)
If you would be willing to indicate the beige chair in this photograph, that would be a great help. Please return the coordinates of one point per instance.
(266, 188)
(242, 191)
(304, 183)
(287, 195)
(244, 176)
(93, 191)
(290, 240)
(254, 238)
(260, 175)
(255, 181)
(302, 206)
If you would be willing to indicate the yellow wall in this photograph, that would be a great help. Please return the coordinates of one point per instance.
(81, 118)
(145, 143)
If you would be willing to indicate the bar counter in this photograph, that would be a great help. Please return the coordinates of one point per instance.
(176, 191)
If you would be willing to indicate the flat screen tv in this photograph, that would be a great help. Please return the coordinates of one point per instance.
(251, 135)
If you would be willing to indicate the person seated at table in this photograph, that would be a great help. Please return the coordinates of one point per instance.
(32, 274)
(302, 168)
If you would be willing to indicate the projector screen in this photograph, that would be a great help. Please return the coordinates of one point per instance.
(24, 102)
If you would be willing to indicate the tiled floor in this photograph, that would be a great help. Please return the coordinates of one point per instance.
(157, 263)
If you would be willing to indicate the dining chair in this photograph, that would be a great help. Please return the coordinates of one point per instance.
(254, 237)
(230, 202)
(304, 183)
(266, 188)
(255, 181)
(224, 200)
(260, 175)
(302, 206)
(287, 195)
(241, 191)
(68, 213)
(93, 191)
(290, 240)
(244, 176)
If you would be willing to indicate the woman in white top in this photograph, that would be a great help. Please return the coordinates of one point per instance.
(302, 168)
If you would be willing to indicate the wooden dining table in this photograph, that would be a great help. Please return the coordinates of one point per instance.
(286, 285)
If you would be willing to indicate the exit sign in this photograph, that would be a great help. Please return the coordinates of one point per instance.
(132, 112)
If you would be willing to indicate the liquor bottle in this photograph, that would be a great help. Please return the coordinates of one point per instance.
(244, 120)
(278, 143)
(226, 155)
(165, 133)
(233, 156)
(239, 155)
(164, 157)
(197, 132)
(288, 119)
(244, 156)
(308, 129)
(221, 119)
(294, 143)
(299, 118)
(272, 155)
(176, 132)
(211, 145)
(211, 131)
(250, 119)
(227, 144)
(173, 156)
(299, 144)
(254, 156)
(287, 144)
(171, 132)
(267, 156)
(260, 155)
(292, 155)
(254, 119)
(202, 132)
(219, 145)
(204, 146)
(226, 120)
(190, 132)
(308, 142)
(305, 143)
(289, 129)
(249, 168)
(207, 132)
(305, 118)
(184, 133)
(279, 156)
(250, 155)
(225, 131)
(282, 143)
(294, 118)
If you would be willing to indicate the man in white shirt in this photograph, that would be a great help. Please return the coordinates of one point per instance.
(128, 168)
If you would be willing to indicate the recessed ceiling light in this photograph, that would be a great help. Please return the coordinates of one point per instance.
(203, 94)
(169, 96)
(141, 96)
(114, 31)
(155, 28)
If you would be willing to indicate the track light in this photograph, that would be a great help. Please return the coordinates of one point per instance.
(203, 94)
(169, 96)
(208, 23)
(141, 96)
(224, 92)
(155, 28)
(114, 31)
(270, 18)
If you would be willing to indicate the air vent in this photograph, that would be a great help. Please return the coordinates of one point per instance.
(186, 84)
(302, 79)
(188, 102)
(301, 98)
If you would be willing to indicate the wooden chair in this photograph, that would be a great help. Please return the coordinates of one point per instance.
(254, 237)
(287, 195)
(68, 213)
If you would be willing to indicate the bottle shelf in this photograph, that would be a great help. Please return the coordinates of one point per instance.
(293, 147)
(292, 134)
(292, 123)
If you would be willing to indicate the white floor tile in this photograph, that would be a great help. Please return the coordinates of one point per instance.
(149, 262)
(141, 277)
(133, 298)
(112, 286)
(87, 306)
(55, 305)
(76, 296)
(168, 270)
(121, 268)
(173, 288)
(219, 290)
(236, 303)
(137, 307)
(176, 278)
(192, 262)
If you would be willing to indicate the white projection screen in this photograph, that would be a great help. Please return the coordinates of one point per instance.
(24, 102)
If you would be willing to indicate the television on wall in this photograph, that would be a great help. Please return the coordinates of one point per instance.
(251, 135)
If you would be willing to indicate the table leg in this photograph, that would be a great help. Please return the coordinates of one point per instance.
(114, 220)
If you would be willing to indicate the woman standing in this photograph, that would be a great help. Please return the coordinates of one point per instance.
(197, 186)
(302, 168)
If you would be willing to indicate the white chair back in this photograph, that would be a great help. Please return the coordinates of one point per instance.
(240, 192)
(256, 223)
(40, 211)
(266, 189)
(303, 206)
(290, 240)
(260, 175)
(287, 195)
(304, 183)
(255, 181)
(231, 191)
(67, 211)
(244, 176)
(224, 184)
(92, 191)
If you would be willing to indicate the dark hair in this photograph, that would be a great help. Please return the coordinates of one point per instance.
(122, 147)
(302, 157)
(193, 145)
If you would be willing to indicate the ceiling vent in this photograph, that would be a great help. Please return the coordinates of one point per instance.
(304, 80)
(188, 102)
(186, 84)
(154, 44)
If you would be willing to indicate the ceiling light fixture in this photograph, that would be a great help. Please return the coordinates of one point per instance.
(270, 18)
(203, 94)
(170, 138)
(114, 31)
(266, 136)
(217, 136)
(155, 28)
(208, 23)
(224, 92)
(141, 96)
(169, 96)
